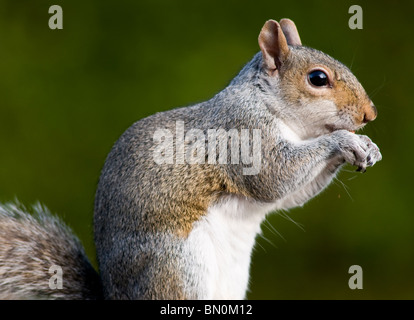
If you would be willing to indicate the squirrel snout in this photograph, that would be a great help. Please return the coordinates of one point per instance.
(370, 113)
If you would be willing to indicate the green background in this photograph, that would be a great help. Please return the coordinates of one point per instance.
(67, 95)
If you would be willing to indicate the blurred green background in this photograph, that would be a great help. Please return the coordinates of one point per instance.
(67, 95)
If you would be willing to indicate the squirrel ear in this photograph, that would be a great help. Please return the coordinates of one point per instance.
(290, 32)
(273, 45)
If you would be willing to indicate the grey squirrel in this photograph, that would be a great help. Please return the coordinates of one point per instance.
(173, 221)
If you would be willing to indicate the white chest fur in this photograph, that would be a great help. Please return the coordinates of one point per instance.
(223, 241)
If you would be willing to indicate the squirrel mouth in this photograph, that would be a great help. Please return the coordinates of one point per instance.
(332, 128)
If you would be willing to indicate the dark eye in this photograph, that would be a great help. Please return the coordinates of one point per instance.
(318, 78)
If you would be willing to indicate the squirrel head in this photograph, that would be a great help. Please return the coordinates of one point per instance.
(318, 93)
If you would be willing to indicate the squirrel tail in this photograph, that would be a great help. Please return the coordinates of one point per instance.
(40, 258)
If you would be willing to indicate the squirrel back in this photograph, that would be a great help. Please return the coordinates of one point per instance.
(182, 193)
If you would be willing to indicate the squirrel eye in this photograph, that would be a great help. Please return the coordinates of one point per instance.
(318, 78)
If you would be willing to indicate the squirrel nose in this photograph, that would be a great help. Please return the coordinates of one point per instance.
(370, 113)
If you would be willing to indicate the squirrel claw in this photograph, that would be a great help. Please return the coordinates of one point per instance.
(361, 169)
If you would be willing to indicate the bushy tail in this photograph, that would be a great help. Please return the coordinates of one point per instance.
(40, 258)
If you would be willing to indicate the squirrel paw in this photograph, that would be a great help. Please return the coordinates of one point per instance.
(372, 151)
(357, 150)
